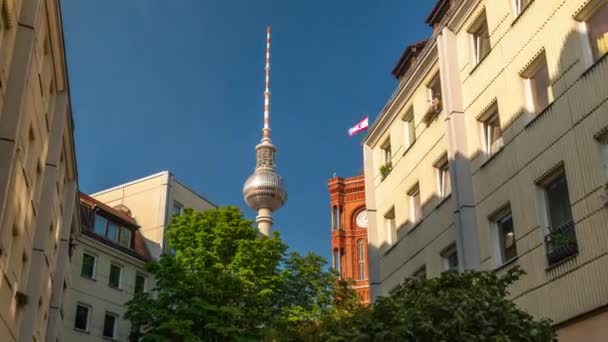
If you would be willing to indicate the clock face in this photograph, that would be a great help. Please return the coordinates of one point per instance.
(361, 219)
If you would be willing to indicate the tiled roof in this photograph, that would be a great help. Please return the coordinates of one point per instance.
(139, 249)
(405, 61)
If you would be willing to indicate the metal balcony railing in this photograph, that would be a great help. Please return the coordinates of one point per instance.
(561, 243)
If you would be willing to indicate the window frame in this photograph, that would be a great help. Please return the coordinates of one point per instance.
(387, 152)
(557, 176)
(442, 175)
(361, 259)
(491, 115)
(409, 128)
(139, 275)
(584, 16)
(518, 9)
(530, 77)
(89, 309)
(122, 229)
(177, 204)
(114, 325)
(337, 261)
(93, 272)
(120, 275)
(446, 254)
(390, 226)
(499, 222)
(415, 211)
(434, 84)
(476, 32)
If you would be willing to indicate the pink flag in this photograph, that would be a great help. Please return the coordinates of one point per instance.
(359, 127)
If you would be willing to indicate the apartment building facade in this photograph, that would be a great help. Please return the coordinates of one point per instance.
(38, 178)
(525, 119)
(108, 269)
(153, 200)
(349, 232)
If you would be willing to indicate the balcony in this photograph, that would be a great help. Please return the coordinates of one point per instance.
(561, 243)
(435, 107)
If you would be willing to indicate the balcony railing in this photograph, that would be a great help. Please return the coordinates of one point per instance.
(561, 243)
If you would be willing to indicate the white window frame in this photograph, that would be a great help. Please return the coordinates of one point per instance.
(436, 80)
(497, 235)
(89, 311)
(548, 181)
(144, 277)
(336, 260)
(390, 226)
(409, 128)
(584, 16)
(487, 132)
(387, 153)
(442, 175)
(476, 32)
(529, 76)
(94, 265)
(415, 211)
(518, 8)
(120, 276)
(361, 258)
(446, 254)
(114, 328)
(177, 204)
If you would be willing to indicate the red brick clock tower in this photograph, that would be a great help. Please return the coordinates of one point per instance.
(349, 232)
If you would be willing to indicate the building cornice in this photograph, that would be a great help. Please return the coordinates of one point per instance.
(428, 60)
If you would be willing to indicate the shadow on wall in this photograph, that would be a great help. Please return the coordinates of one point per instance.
(534, 127)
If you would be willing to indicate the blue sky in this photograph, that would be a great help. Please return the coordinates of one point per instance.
(178, 85)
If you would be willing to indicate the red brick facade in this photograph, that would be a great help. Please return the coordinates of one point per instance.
(349, 235)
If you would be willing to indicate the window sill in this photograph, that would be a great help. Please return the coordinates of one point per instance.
(561, 262)
(82, 331)
(89, 278)
(414, 226)
(409, 148)
(594, 65)
(521, 13)
(490, 157)
(506, 264)
(479, 63)
(540, 113)
(109, 338)
(443, 200)
(115, 288)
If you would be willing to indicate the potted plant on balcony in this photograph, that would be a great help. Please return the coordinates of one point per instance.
(561, 244)
(386, 169)
(435, 106)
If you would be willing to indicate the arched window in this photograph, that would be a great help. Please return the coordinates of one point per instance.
(361, 254)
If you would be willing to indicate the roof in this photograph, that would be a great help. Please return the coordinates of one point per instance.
(405, 61)
(139, 249)
(441, 7)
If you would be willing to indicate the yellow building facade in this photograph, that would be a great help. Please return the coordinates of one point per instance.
(525, 126)
(38, 178)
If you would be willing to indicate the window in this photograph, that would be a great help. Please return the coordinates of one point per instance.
(481, 39)
(420, 273)
(597, 26)
(450, 259)
(100, 225)
(520, 6)
(604, 150)
(88, 266)
(336, 261)
(492, 133)
(560, 241)
(125, 237)
(336, 217)
(389, 222)
(361, 256)
(434, 94)
(409, 128)
(387, 152)
(115, 275)
(109, 325)
(140, 283)
(504, 236)
(112, 232)
(177, 208)
(538, 84)
(442, 169)
(558, 202)
(81, 321)
(415, 206)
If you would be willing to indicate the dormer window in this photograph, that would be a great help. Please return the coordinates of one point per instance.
(113, 231)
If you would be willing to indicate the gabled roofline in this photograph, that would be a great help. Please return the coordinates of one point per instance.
(139, 180)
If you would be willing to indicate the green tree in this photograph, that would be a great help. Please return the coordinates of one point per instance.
(469, 306)
(227, 283)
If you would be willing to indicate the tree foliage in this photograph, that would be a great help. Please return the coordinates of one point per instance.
(469, 306)
(227, 283)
